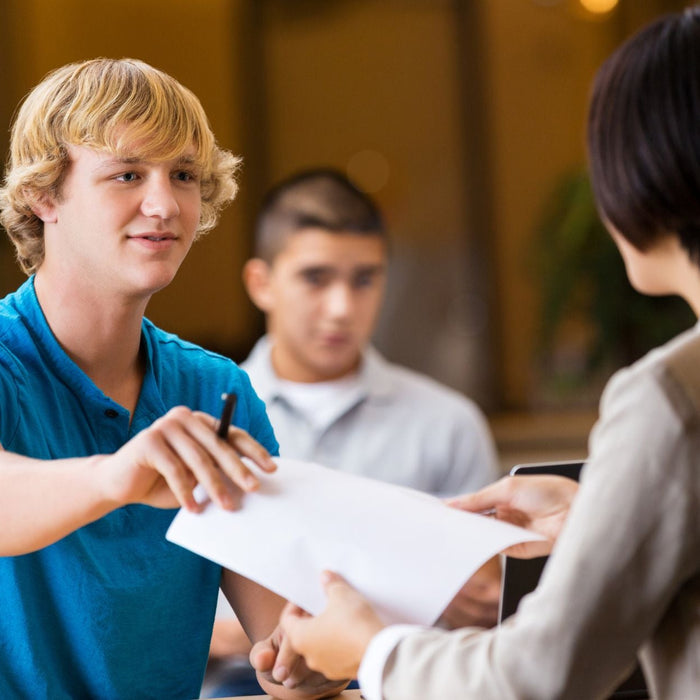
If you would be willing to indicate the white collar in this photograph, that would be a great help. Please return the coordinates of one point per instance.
(374, 377)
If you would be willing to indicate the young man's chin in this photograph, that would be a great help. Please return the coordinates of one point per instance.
(153, 280)
(329, 371)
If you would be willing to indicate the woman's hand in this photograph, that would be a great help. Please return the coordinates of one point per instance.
(284, 673)
(537, 503)
(334, 642)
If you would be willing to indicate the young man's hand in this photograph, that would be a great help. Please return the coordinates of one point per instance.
(476, 603)
(537, 503)
(162, 464)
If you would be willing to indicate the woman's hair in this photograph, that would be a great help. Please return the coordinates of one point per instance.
(644, 134)
(118, 106)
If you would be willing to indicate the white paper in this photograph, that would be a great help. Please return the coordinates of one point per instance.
(407, 552)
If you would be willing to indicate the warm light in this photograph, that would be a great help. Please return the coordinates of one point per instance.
(370, 169)
(599, 7)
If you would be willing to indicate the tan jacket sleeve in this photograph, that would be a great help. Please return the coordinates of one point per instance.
(624, 574)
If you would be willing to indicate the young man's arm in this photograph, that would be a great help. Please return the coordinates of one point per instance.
(258, 609)
(43, 501)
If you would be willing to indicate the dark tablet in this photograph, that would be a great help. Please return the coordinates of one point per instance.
(520, 576)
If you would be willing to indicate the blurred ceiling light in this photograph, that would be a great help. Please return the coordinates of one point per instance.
(599, 7)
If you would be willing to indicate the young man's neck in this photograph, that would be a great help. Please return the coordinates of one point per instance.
(102, 336)
(288, 369)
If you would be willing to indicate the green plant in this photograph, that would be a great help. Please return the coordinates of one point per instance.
(582, 283)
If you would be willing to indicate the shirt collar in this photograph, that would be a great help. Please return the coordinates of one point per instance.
(374, 374)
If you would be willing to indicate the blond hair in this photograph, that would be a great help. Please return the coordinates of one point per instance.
(109, 105)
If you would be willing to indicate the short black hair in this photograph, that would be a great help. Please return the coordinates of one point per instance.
(644, 134)
(322, 198)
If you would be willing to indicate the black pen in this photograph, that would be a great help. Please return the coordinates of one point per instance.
(226, 414)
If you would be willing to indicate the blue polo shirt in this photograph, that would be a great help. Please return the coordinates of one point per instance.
(112, 610)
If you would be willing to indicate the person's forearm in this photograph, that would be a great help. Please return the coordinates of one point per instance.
(228, 638)
(257, 608)
(43, 501)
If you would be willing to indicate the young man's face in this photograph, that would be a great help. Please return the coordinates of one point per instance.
(321, 296)
(121, 225)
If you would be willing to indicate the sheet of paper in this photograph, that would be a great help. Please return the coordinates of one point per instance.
(407, 552)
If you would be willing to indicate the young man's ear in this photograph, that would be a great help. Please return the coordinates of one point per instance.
(256, 279)
(45, 209)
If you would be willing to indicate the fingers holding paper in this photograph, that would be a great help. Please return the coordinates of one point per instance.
(163, 463)
(538, 503)
(334, 642)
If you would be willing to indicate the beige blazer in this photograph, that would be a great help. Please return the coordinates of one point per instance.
(624, 576)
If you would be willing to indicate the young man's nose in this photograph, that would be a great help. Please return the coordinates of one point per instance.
(159, 198)
(339, 299)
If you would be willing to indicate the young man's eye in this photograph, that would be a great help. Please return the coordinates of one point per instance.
(127, 177)
(364, 279)
(315, 278)
(185, 176)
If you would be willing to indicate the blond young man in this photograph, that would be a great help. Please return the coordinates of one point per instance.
(106, 421)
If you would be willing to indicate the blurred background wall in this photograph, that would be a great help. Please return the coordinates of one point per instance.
(462, 117)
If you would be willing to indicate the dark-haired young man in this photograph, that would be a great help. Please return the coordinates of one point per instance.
(318, 275)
